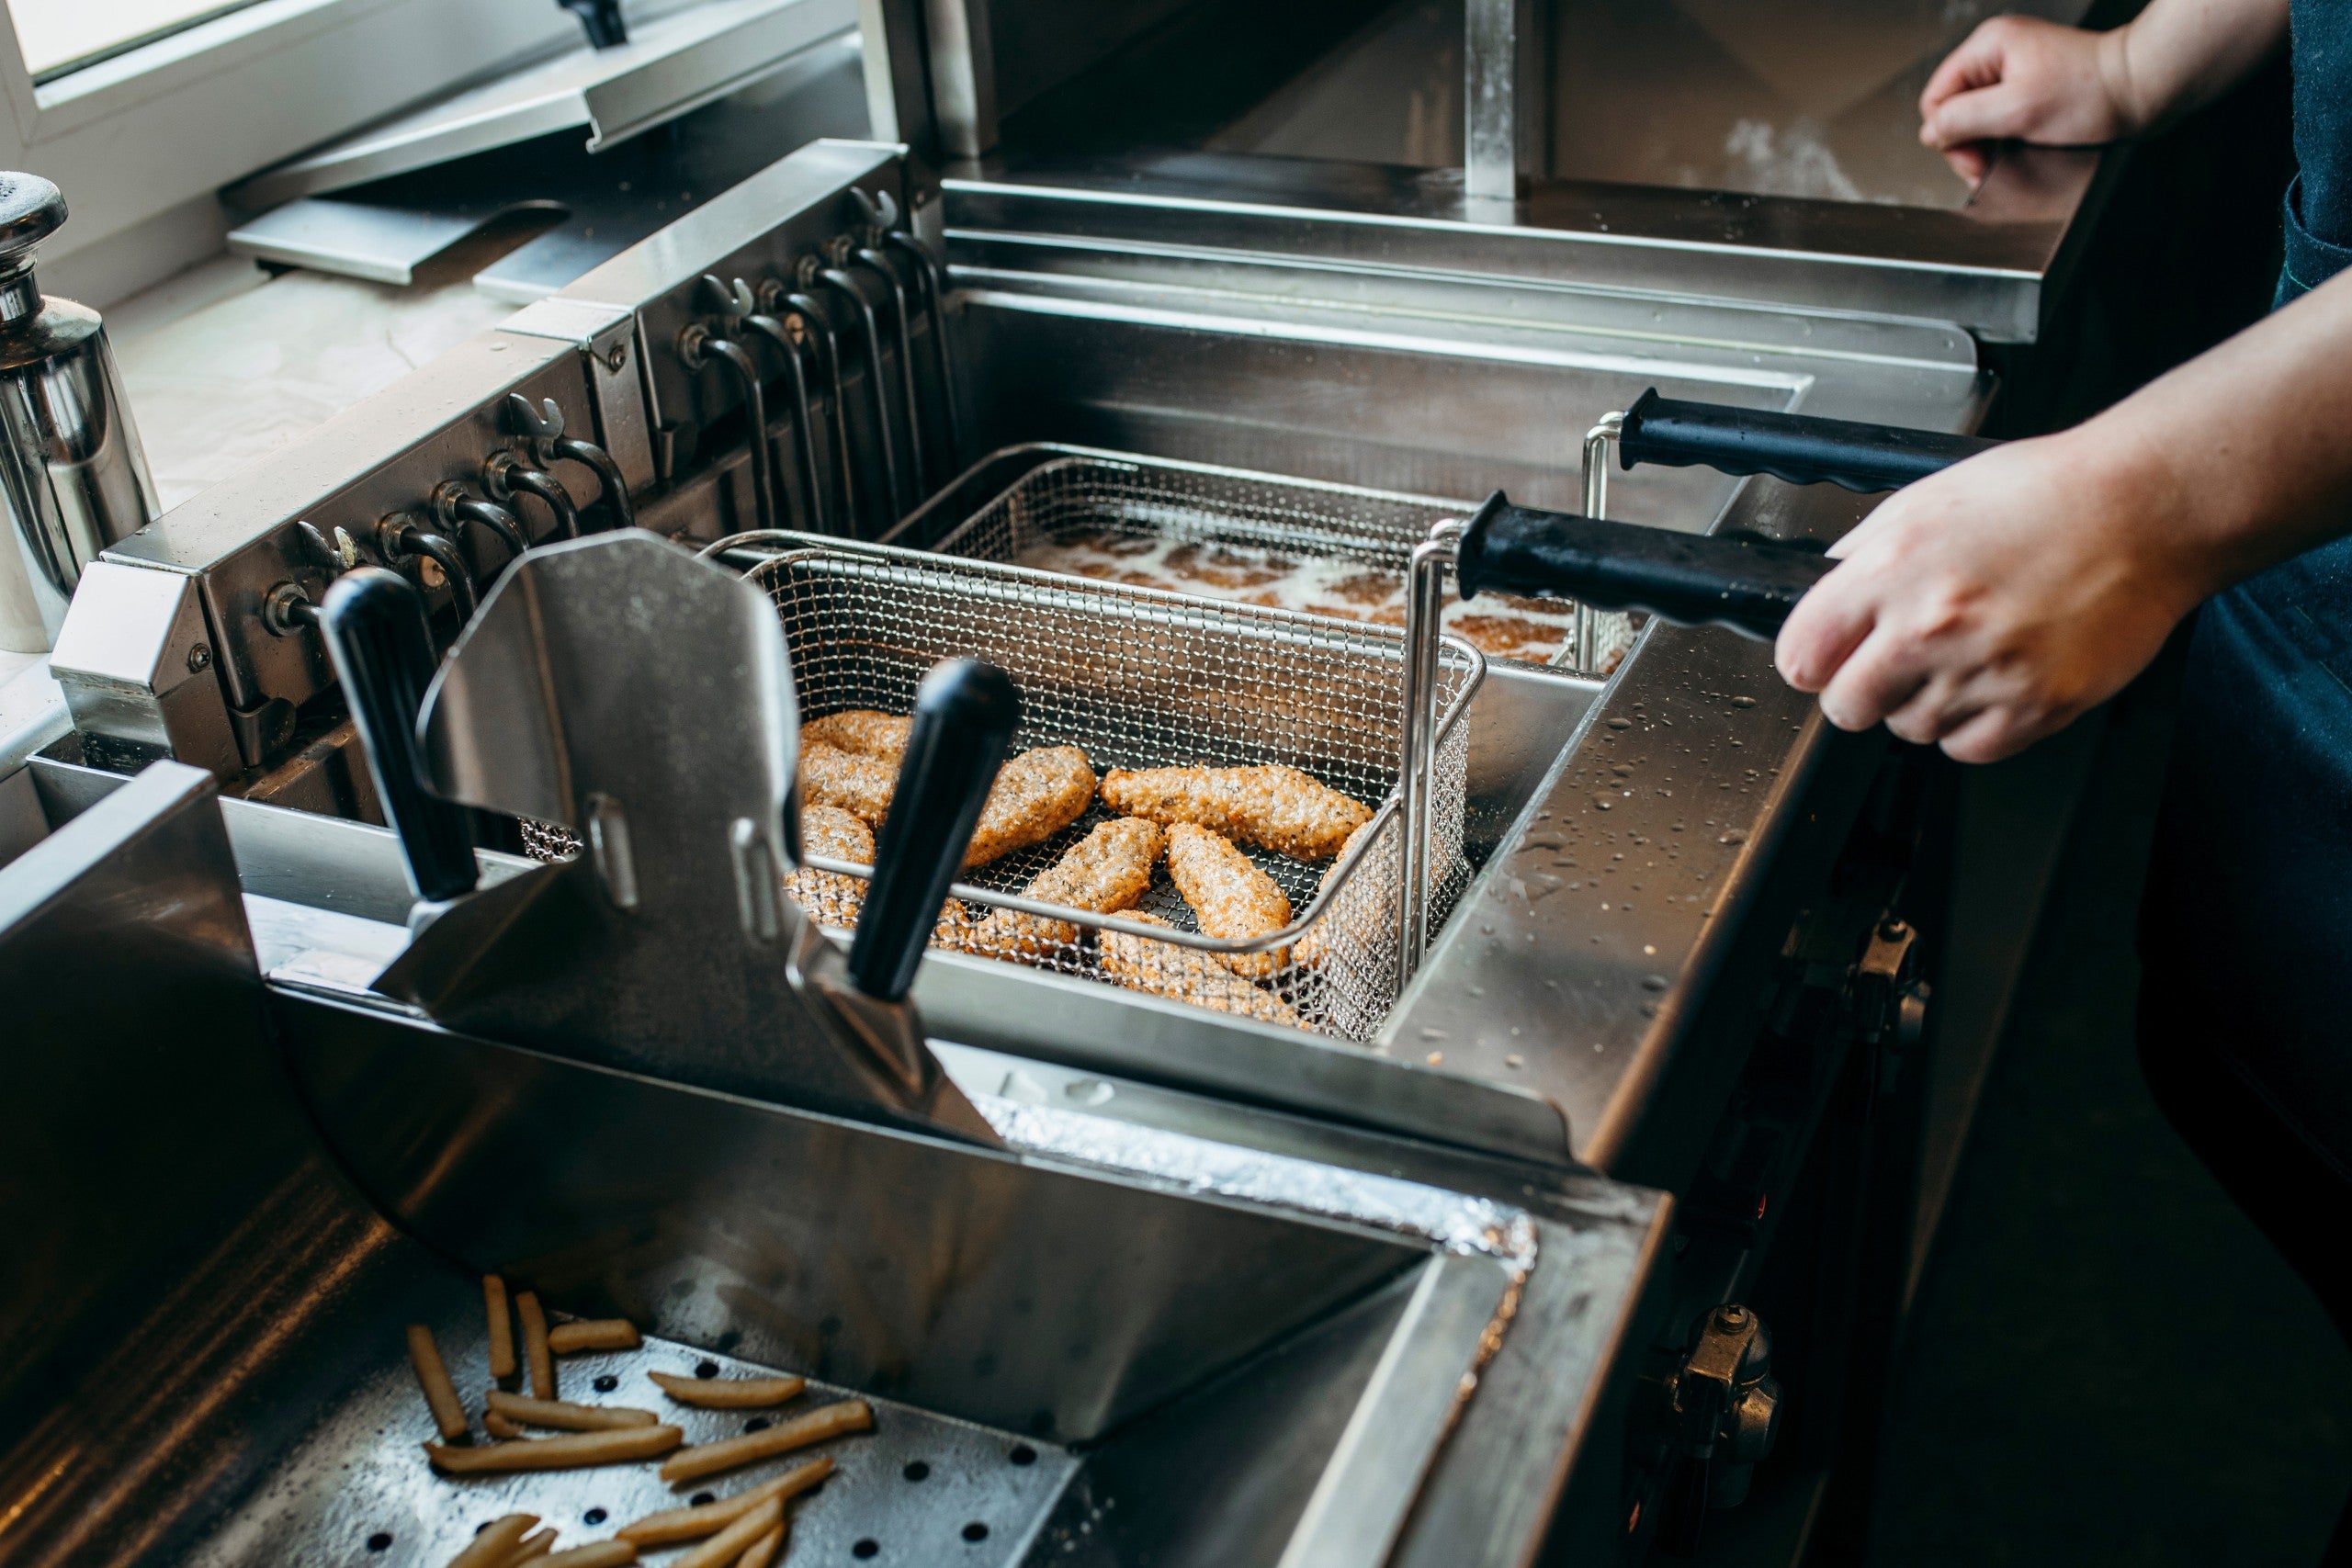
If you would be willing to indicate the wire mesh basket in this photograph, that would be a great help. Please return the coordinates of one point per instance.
(1335, 550)
(1139, 678)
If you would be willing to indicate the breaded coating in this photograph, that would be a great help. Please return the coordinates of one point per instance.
(1231, 897)
(1107, 871)
(1166, 970)
(1037, 794)
(1273, 807)
(1315, 945)
(861, 732)
(859, 786)
(833, 897)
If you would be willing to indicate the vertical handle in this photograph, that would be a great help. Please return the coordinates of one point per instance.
(375, 630)
(1800, 448)
(964, 715)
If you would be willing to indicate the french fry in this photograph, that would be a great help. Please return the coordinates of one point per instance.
(762, 1552)
(532, 1547)
(433, 1376)
(732, 1542)
(565, 1416)
(675, 1525)
(499, 1426)
(596, 1554)
(534, 1344)
(728, 1393)
(827, 1421)
(502, 1326)
(593, 1334)
(494, 1541)
(575, 1451)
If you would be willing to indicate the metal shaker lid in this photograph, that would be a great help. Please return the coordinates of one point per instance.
(31, 210)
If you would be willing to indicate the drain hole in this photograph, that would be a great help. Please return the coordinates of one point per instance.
(381, 1541)
(699, 1498)
(593, 1516)
(757, 1423)
(706, 1370)
(865, 1548)
(976, 1531)
(606, 1384)
(1021, 1454)
(916, 1470)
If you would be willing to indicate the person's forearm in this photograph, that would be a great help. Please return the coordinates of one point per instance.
(2179, 55)
(2242, 456)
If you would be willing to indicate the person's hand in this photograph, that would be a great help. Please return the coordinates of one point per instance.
(1990, 604)
(2018, 78)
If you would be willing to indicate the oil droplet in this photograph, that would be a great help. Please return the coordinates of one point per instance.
(1649, 950)
(1514, 1060)
(1742, 702)
(1603, 803)
(1433, 1033)
(1437, 1059)
(1621, 724)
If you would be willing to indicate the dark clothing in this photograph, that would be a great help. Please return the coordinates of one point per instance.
(2246, 933)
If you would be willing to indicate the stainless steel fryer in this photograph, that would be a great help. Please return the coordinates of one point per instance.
(1138, 679)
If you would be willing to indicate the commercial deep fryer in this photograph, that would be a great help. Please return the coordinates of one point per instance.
(1687, 1032)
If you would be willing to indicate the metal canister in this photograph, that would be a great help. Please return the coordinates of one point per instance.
(73, 477)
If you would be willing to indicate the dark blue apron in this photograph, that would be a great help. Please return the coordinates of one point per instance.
(2249, 924)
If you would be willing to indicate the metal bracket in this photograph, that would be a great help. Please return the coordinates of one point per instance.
(1725, 1407)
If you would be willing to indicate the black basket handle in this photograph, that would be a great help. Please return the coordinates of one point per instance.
(965, 716)
(1799, 448)
(1749, 586)
(373, 621)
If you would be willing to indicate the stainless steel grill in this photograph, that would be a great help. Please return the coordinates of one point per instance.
(1140, 678)
(1328, 550)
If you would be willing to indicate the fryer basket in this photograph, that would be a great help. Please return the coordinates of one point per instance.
(1324, 548)
(1141, 678)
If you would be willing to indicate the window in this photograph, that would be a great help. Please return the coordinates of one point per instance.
(60, 35)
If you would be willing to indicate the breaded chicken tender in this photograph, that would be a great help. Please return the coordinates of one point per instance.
(1273, 807)
(1166, 970)
(1037, 794)
(861, 732)
(1369, 918)
(1107, 871)
(834, 898)
(859, 786)
(1231, 897)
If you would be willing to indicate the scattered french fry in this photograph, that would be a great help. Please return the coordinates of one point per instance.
(709, 1459)
(433, 1376)
(575, 1451)
(762, 1552)
(502, 1326)
(595, 1333)
(495, 1542)
(534, 1344)
(724, 1548)
(596, 1554)
(675, 1525)
(728, 1393)
(499, 1426)
(534, 1546)
(566, 1416)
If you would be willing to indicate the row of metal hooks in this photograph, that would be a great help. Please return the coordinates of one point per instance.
(790, 319)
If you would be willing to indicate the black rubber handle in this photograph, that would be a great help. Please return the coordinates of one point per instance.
(375, 629)
(965, 713)
(1792, 446)
(1689, 578)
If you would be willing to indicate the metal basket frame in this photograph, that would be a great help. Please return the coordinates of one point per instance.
(770, 558)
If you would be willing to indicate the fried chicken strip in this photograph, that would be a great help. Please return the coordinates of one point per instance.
(859, 786)
(1108, 870)
(1037, 794)
(1166, 970)
(1315, 945)
(1273, 807)
(861, 732)
(832, 896)
(1230, 896)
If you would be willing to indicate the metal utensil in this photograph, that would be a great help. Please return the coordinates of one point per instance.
(620, 688)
